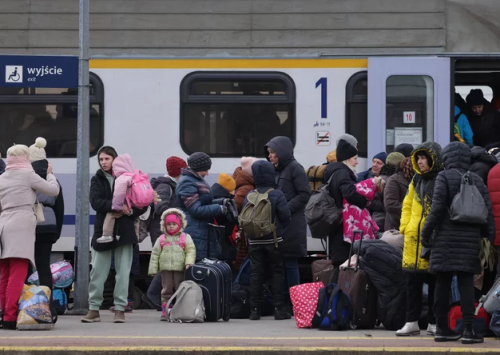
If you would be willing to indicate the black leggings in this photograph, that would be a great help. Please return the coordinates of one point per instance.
(42, 261)
(442, 296)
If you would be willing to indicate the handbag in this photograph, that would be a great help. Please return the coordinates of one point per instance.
(40, 218)
(468, 205)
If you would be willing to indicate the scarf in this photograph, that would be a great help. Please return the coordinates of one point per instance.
(353, 168)
(110, 178)
(407, 167)
(16, 163)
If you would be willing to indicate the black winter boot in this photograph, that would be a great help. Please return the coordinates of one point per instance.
(9, 325)
(254, 314)
(471, 337)
(280, 313)
(446, 334)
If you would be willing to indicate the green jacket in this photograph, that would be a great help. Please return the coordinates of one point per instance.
(172, 257)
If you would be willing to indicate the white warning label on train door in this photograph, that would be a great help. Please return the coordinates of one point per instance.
(323, 138)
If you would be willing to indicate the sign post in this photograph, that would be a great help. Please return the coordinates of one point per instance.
(82, 171)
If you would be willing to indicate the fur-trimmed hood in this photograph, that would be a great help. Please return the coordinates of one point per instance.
(178, 212)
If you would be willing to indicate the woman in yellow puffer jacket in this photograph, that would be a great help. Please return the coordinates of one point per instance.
(427, 163)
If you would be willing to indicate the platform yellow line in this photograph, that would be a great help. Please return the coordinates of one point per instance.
(226, 349)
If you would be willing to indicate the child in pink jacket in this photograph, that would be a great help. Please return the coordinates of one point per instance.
(121, 165)
(356, 218)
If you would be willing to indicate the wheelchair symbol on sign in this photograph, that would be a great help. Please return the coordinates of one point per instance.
(14, 76)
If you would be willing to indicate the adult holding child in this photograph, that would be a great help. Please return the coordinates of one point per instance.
(124, 237)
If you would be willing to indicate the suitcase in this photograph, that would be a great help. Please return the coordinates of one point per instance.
(491, 301)
(356, 284)
(215, 279)
(322, 270)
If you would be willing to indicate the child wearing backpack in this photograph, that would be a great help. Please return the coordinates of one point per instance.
(131, 187)
(263, 219)
(173, 252)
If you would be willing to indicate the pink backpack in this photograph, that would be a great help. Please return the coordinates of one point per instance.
(181, 242)
(141, 193)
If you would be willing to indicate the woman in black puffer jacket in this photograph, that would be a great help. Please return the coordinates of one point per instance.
(342, 185)
(455, 246)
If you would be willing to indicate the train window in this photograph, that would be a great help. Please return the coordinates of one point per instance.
(28, 113)
(409, 110)
(233, 114)
(357, 110)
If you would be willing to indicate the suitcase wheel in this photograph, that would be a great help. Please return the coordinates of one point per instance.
(226, 319)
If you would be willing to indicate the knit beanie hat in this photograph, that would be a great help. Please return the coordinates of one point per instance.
(199, 161)
(173, 218)
(332, 156)
(476, 97)
(175, 165)
(345, 151)
(381, 156)
(349, 139)
(37, 151)
(394, 159)
(405, 149)
(227, 182)
(246, 164)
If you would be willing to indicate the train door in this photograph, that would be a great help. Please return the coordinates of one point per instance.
(408, 102)
(477, 99)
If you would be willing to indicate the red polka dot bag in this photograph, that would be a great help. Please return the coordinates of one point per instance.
(305, 300)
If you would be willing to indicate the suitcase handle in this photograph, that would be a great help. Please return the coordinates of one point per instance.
(213, 227)
(352, 247)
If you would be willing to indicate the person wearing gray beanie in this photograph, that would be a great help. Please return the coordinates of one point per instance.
(195, 199)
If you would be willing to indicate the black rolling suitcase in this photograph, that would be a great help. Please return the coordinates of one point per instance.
(215, 279)
(357, 285)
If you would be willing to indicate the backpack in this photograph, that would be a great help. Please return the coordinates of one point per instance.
(60, 301)
(334, 310)
(322, 214)
(62, 275)
(315, 175)
(256, 218)
(189, 306)
(305, 302)
(141, 193)
(181, 242)
(468, 205)
(35, 309)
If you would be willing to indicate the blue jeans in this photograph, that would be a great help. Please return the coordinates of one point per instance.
(292, 277)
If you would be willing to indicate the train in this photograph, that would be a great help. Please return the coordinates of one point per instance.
(154, 108)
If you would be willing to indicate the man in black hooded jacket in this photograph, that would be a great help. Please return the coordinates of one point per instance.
(484, 119)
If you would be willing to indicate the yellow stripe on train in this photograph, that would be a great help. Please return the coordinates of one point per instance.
(226, 63)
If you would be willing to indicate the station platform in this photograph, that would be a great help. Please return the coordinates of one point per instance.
(144, 334)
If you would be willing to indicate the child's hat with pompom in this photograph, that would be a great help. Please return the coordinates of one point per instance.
(37, 151)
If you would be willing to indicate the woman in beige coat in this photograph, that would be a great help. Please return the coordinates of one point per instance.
(18, 187)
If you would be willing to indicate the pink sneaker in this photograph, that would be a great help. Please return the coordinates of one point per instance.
(164, 312)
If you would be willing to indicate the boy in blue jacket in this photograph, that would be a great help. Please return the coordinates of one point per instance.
(265, 252)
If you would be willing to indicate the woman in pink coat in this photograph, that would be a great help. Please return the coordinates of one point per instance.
(356, 218)
(18, 187)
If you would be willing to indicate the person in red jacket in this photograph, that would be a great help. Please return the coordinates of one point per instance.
(494, 189)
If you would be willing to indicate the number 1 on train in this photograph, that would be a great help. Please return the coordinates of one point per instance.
(324, 88)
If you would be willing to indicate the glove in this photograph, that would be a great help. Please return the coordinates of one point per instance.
(226, 202)
(223, 209)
